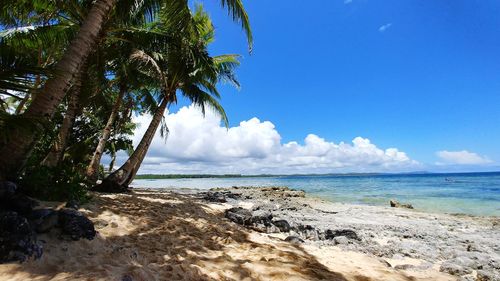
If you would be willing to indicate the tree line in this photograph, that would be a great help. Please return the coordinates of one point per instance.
(73, 73)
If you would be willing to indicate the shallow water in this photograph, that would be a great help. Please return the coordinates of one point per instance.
(468, 193)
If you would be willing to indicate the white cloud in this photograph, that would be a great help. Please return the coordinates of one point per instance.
(202, 145)
(347, 1)
(463, 157)
(384, 27)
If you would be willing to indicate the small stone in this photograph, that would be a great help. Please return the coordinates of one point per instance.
(283, 225)
(341, 240)
(294, 239)
(99, 224)
(330, 234)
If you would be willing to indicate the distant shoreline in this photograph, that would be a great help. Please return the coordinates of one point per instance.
(198, 176)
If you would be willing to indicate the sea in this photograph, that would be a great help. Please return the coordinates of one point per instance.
(457, 193)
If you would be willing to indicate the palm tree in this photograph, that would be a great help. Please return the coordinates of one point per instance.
(16, 150)
(185, 66)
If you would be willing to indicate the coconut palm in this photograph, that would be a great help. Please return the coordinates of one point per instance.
(16, 150)
(186, 67)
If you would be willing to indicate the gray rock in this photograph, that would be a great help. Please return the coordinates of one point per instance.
(72, 204)
(283, 225)
(217, 197)
(483, 275)
(341, 240)
(454, 269)
(239, 215)
(294, 239)
(351, 234)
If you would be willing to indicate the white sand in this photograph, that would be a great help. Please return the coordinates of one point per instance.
(171, 236)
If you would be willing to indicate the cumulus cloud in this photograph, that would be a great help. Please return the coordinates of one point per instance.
(463, 157)
(384, 27)
(201, 145)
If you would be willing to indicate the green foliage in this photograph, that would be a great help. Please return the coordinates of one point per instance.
(60, 183)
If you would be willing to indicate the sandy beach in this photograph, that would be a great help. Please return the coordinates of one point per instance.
(179, 235)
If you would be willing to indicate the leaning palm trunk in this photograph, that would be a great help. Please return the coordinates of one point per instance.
(119, 180)
(56, 152)
(15, 152)
(93, 167)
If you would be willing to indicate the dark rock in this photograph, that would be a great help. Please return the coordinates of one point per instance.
(43, 220)
(7, 190)
(239, 215)
(396, 204)
(283, 225)
(76, 225)
(263, 223)
(330, 234)
(308, 232)
(218, 197)
(73, 204)
(21, 204)
(127, 278)
(17, 239)
(294, 240)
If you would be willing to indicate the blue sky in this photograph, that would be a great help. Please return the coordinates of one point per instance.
(419, 76)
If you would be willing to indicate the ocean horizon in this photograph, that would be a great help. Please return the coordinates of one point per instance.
(455, 193)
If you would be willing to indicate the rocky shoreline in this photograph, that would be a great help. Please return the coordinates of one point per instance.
(464, 246)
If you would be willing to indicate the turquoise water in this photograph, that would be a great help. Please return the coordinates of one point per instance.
(468, 193)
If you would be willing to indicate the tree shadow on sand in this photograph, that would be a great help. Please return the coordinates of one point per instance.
(166, 236)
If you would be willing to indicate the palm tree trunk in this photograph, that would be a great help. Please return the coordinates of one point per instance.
(56, 152)
(38, 80)
(119, 180)
(93, 167)
(15, 152)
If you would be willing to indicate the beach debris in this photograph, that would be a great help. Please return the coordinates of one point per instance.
(396, 204)
(17, 238)
(43, 220)
(74, 224)
(294, 239)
